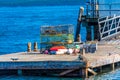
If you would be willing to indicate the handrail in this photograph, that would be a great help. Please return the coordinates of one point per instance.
(104, 4)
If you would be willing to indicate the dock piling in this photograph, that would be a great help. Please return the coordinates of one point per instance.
(113, 65)
(29, 47)
(101, 69)
(35, 47)
(83, 53)
(19, 71)
(86, 70)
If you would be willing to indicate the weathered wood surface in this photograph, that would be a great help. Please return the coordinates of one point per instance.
(36, 56)
(67, 71)
(42, 65)
(92, 71)
(106, 54)
(36, 60)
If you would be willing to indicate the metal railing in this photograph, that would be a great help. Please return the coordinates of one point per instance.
(109, 27)
(102, 10)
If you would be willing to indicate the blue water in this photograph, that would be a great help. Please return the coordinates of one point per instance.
(115, 75)
(19, 25)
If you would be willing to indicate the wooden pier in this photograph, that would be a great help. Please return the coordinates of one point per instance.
(106, 55)
(62, 65)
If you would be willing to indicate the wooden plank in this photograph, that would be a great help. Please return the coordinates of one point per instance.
(42, 65)
(66, 72)
(92, 71)
(35, 56)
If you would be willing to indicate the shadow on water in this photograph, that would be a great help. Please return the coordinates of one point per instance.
(107, 74)
(14, 77)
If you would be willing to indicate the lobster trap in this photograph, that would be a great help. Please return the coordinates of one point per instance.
(56, 35)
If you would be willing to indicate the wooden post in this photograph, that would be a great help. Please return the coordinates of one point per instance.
(29, 47)
(19, 72)
(80, 72)
(86, 73)
(83, 52)
(101, 69)
(86, 70)
(83, 72)
(35, 47)
(113, 65)
(92, 71)
(79, 38)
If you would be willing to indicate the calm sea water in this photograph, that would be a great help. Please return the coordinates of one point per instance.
(19, 25)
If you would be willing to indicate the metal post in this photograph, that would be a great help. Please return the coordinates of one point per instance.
(110, 10)
(88, 37)
(92, 33)
(87, 9)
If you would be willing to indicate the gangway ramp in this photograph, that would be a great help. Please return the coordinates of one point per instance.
(109, 27)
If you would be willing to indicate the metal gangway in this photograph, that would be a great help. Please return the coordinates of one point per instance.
(109, 27)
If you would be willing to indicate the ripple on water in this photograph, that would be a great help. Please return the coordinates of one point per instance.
(113, 75)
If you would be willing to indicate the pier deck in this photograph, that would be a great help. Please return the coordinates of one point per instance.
(106, 54)
(36, 56)
(35, 60)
